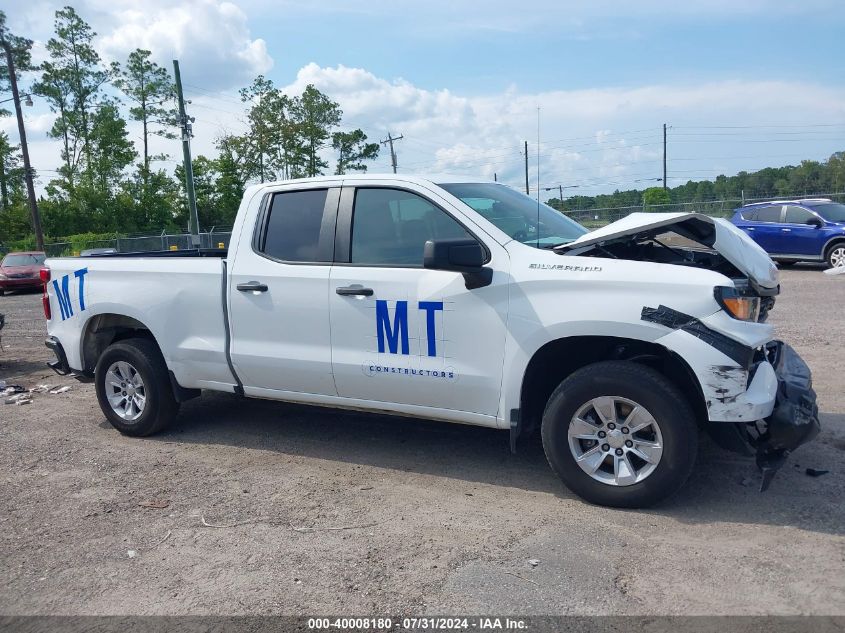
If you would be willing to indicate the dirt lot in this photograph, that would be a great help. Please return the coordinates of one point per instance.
(442, 518)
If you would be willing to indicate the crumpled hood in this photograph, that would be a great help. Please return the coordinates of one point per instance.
(716, 233)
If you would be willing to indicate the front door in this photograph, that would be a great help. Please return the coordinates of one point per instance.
(278, 290)
(801, 238)
(404, 334)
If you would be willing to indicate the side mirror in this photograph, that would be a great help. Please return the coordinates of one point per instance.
(815, 222)
(461, 255)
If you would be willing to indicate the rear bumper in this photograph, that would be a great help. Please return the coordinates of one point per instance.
(60, 365)
(19, 283)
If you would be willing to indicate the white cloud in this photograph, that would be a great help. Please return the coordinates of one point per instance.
(211, 38)
(596, 138)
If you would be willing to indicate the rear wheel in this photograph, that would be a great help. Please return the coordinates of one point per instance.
(836, 255)
(133, 388)
(620, 434)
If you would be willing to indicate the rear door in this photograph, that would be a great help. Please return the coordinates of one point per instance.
(766, 227)
(800, 238)
(278, 291)
(404, 334)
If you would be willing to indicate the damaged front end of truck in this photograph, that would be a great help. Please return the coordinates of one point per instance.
(699, 241)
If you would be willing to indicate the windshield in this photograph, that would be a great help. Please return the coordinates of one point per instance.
(517, 215)
(23, 260)
(830, 211)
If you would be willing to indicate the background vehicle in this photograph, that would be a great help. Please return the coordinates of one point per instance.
(456, 301)
(19, 271)
(809, 230)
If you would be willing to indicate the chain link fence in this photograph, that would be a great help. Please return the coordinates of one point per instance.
(217, 237)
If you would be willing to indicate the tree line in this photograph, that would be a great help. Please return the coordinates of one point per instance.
(808, 178)
(105, 184)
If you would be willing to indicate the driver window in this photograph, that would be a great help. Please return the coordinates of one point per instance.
(797, 215)
(391, 227)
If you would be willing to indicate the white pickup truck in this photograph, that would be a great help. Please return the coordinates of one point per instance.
(460, 301)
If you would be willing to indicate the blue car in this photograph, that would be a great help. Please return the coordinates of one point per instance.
(807, 230)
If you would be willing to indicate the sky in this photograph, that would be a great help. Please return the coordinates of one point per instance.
(741, 84)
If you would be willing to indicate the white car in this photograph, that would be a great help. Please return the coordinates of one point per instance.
(459, 301)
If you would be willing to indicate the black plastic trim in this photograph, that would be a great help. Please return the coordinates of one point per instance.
(663, 315)
(60, 365)
(182, 394)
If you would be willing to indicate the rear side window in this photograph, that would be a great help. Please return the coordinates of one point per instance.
(797, 215)
(294, 225)
(750, 215)
(768, 214)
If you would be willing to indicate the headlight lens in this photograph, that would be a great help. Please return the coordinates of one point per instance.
(739, 305)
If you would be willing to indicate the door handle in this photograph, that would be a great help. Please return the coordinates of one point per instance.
(786, 230)
(749, 228)
(355, 290)
(252, 286)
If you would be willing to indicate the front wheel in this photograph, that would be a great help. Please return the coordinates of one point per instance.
(836, 255)
(133, 387)
(620, 434)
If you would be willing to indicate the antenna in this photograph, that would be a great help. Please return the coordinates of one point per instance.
(538, 176)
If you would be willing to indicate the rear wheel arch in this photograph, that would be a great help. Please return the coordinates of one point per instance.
(102, 330)
(558, 359)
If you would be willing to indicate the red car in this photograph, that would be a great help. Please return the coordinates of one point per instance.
(19, 271)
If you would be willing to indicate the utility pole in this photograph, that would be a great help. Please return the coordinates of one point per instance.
(390, 140)
(664, 157)
(27, 168)
(527, 193)
(185, 123)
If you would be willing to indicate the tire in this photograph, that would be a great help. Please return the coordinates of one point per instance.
(836, 255)
(673, 432)
(126, 361)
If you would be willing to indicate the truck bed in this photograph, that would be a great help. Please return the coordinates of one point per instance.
(176, 295)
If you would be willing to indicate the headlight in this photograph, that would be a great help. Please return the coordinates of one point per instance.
(739, 305)
(2, 276)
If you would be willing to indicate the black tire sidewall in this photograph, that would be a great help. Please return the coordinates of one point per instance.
(138, 353)
(644, 386)
(830, 253)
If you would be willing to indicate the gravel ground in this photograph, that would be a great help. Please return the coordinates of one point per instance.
(440, 518)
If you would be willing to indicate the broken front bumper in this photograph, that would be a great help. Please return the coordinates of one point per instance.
(795, 417)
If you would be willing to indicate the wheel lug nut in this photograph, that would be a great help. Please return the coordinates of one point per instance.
(625, 430)
(611, 426)
(602, 434)
(629, 443)
(618, 451)
(605, 447)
